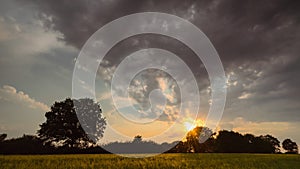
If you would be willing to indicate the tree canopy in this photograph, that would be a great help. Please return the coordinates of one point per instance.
(290, 146)
(73, 123)
(200, 139)
(2, 137)
(234, 142)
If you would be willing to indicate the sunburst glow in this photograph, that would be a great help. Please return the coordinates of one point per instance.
(190, 124)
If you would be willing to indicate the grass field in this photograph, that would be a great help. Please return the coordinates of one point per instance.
(207, 161)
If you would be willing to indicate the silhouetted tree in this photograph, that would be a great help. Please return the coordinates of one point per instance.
(271, 144)
(30, 144)
(62, 127)
(230, 142)
(27, 144)
(234, 142)
(200, 139)
(180, 147)
(250, 141)
(2, 137)
(137, 139)
(290, 146)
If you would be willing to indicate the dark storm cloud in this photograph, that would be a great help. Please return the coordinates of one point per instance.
(265, 90)
(256, 29)
(238, 29)
(259, 35)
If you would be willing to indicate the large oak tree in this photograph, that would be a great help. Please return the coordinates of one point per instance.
(73, 123)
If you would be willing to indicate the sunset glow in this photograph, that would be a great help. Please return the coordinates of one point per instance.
(190, 124)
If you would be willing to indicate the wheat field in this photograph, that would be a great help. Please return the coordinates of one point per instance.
(164, 161)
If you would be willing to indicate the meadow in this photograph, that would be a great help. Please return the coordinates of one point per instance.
(164, 161)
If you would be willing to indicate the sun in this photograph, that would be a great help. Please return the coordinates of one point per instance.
(190, 124)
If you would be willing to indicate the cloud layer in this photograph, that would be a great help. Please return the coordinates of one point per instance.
(10, 94)
(257, 42)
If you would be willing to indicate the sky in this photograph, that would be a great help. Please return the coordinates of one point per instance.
(257, 41)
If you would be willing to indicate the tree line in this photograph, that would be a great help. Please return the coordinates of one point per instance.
(74, 126)
(232, 142)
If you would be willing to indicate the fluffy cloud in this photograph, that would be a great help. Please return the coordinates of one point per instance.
(10, 94)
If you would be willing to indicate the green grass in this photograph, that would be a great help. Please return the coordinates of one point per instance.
(207, 161)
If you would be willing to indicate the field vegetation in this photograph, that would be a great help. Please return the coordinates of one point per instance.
(163, 161)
